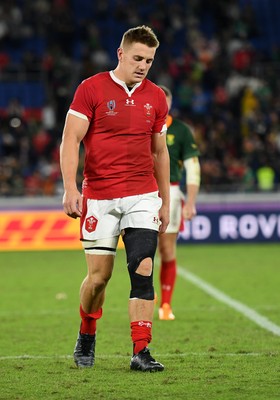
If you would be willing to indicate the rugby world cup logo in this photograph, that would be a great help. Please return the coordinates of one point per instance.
(111, 105)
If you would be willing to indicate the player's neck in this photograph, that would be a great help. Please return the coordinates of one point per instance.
(118, 74)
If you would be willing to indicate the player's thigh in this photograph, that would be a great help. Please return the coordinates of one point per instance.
(167, 245)
(99, 220)
(142, 211)
(100, 266)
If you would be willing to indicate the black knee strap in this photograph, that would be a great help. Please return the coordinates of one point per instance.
(140, 243)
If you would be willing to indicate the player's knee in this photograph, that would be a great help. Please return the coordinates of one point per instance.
(145, 267)
(98, 282)
(140, 247)
(97, 286)
(167, 248)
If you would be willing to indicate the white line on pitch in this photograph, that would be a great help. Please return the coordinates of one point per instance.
(236, 305)
(106, 356)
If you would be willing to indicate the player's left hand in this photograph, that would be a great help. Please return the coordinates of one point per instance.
(164, 218)
(189, 211)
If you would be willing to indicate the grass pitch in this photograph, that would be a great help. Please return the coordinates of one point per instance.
(211, 351)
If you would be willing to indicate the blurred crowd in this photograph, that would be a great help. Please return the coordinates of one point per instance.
(224, 82)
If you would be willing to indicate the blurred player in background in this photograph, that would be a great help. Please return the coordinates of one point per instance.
(183, 152)
(121, 118)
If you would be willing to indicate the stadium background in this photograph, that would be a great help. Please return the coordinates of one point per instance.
(220, 59)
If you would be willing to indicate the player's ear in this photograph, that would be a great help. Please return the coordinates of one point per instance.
(120, 54)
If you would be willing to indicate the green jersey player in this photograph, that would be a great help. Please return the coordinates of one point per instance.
(183, 153)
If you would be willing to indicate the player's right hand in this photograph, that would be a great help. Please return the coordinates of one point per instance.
(72, 203)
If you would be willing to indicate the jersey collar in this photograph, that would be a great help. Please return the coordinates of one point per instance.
(123, 84)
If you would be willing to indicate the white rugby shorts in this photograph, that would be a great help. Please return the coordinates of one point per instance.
(103, 220)
(176, 202)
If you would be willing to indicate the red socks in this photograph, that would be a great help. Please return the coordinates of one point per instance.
(167, 280)
(141, 331)
(88, 323)
(141, 334)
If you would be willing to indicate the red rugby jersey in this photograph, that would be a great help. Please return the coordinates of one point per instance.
(118, 159)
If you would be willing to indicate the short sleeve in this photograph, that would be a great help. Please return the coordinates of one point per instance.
(161, 113)
(83, 101)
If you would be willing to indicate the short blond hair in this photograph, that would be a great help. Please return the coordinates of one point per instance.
(140, 34)
(166, 90)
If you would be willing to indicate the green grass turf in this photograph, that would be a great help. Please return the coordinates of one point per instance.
(210, 351)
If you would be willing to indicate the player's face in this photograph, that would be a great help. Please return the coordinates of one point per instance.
(135, 62)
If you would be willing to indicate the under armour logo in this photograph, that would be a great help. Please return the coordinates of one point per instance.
(129, 102)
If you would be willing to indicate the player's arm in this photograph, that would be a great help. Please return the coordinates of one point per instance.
(74, 131)
(192, 167)
(162, 175)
